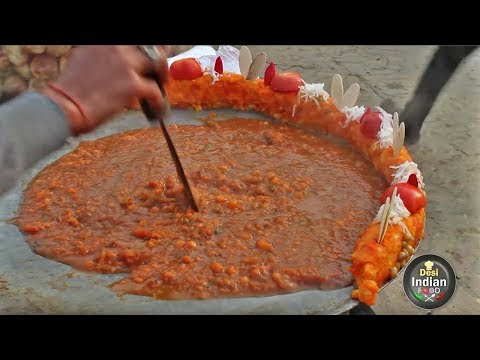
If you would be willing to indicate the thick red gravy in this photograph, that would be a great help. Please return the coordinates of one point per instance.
(281, 210)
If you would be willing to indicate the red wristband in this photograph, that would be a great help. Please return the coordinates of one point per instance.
(72, 100)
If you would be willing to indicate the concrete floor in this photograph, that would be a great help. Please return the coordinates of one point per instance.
(448, 153)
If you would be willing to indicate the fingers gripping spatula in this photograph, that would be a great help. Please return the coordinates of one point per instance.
(154, 117)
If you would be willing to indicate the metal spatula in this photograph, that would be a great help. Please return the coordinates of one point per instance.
(154, 116)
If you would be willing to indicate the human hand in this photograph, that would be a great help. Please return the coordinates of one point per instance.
(100, 81)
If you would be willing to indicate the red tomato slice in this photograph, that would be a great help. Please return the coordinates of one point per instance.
(219, 65)
(370, 123)
(269, 74)
(412, 197)
(186, 69)
(286, 82)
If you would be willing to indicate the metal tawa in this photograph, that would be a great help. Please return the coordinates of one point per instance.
(31, 284)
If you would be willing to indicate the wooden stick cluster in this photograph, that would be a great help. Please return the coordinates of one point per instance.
(398, 135)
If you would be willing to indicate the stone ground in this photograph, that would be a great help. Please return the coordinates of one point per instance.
(448, 153)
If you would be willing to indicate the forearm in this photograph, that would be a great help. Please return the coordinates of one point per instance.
(31, 126)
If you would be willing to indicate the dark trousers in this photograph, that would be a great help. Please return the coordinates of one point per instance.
(439, 70)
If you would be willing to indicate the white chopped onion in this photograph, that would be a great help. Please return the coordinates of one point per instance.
(312, 92)
(404, 171)
(397, 213)
(385, 135)
(353, 114)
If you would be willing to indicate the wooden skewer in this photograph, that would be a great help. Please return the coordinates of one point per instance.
(386, 207)
(386, 215)
(398, 140)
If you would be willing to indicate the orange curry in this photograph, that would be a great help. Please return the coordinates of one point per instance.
(281, 210)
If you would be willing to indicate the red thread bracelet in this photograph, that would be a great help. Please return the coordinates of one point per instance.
(69, 97)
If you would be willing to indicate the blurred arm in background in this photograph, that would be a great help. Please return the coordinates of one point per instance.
(443, 64)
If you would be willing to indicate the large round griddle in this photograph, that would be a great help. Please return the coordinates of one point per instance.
(31, 284)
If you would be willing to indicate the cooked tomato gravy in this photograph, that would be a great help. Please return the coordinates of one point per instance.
(281, 210)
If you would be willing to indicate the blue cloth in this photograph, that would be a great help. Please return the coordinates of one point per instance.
(31, 126)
